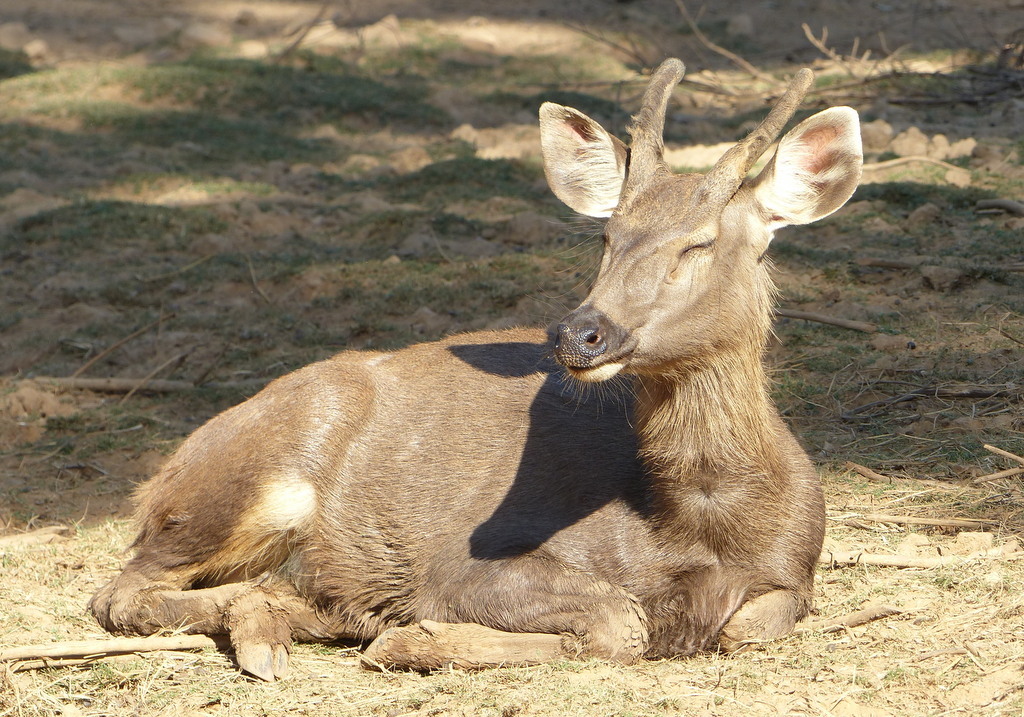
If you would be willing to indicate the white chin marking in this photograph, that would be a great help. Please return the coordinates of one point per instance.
(601, 373)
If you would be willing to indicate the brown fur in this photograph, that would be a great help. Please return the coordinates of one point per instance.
(471, 481)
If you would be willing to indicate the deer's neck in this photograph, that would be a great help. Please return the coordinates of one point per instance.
(714, 418)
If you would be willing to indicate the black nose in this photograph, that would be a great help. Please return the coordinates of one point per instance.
(583, 337)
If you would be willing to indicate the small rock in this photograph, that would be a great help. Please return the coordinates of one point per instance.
(925, 214)
(958, 177)
(970, 543)
(910, 143)
(427, 321)
(941, 278)
(36, 50)
(876, 135)
(938, 147)
(962, 148)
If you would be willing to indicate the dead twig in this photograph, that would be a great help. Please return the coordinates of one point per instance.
(838, 558)
(1004, 454)
(176, 272)
(825, 319)
(965, 523)
(255, 284)
(42, 536)
(825, 49)
(61, 654)
(854, 619)
(1009, 473)
(118, 344)
(1006, 205)
(143, 381)
(889, 163)
(868, 473)
(122, 385)
(718, 49)
(947, 392)
(306, 29)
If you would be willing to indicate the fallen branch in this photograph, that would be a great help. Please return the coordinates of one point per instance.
(1007, 205)
(854, 619)
(966, 523)
(731, 56)
(1004, 454)
(149, 377)
(888, 263)
(939, 392)
(845, 558)
(42, 536)
(889, 163)
(78, 652)
(868, 473)
(825, 49)
(122, 385)
(824, 319)
(118, 344)
(1009, 473)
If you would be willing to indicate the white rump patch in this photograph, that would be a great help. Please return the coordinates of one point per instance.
(288, 503)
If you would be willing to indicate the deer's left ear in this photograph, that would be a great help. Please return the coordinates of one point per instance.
(814, 171)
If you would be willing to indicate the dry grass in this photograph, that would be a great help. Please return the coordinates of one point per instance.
(360, 195)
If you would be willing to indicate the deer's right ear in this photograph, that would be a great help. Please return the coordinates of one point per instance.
(585, 165)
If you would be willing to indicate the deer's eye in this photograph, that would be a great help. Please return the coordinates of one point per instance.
(685, 253)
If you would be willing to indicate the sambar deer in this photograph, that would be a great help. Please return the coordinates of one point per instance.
(465, 502)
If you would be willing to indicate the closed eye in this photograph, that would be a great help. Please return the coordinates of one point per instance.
(693, 247)
(675, 273)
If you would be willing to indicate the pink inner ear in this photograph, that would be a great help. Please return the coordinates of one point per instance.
(580, 127)
(817, 141)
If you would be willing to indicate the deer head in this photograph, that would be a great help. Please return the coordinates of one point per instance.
(683, 274)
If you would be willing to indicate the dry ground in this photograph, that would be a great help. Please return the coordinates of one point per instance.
(254, 192)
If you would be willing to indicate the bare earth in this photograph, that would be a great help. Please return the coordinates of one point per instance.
(255, 185)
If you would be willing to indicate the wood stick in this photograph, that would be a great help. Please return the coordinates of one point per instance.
(121, 385)
(1009, 473)
(255, 284)
(42, 536)
(854, 619)
(868, 473)
(118, 344)
(731, 56)
(1007, 205)
(889, 163)
(839, 557)
(940, 392)
(966, 523)
(824, 319)
(149, 377)
(94, 649)
(1004, 454)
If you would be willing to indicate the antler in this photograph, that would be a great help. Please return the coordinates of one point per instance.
(726, 176)
(648, 125)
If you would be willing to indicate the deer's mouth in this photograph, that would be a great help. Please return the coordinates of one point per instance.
(597, 374)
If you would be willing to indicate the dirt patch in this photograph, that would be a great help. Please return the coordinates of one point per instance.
(204, 194)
